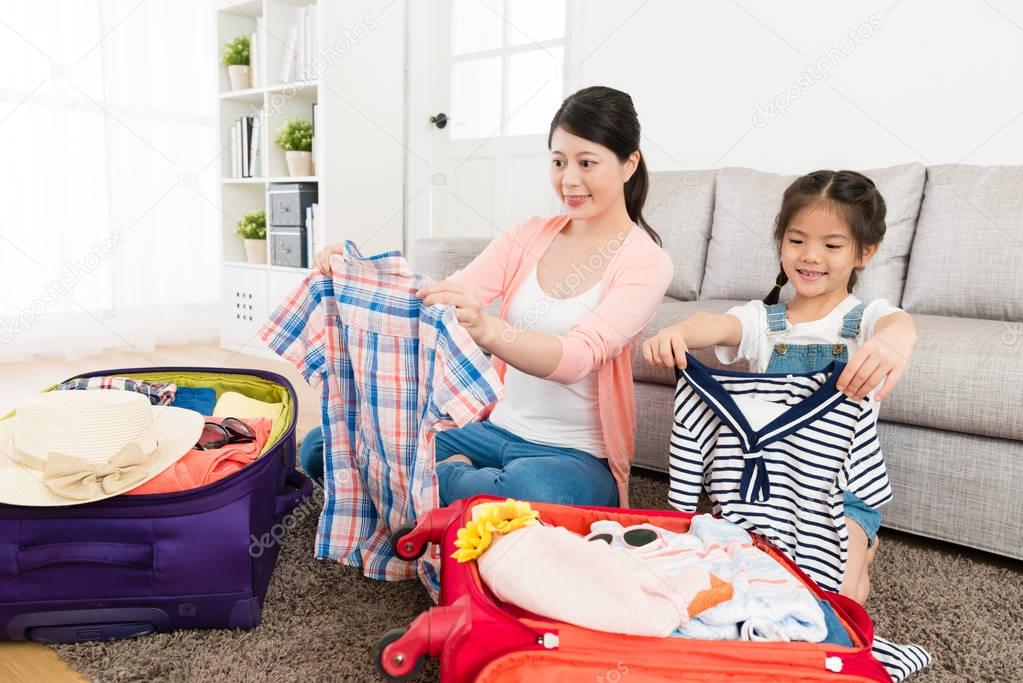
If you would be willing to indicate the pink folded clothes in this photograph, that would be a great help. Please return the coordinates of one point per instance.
(555, 573)
(199, 468)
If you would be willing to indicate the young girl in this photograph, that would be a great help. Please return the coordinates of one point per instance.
(830, 225)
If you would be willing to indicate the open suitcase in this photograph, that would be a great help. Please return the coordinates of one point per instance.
(479, 639)
(132, 565)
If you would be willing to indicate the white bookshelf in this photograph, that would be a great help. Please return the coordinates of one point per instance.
(251, 291)
(359, 170)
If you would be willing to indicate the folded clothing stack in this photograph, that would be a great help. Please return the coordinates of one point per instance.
(709, 583)
(199, 467)
(202, 467)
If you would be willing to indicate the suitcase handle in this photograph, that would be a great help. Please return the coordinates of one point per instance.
(70, 626)
(298, 486)
(135, 555)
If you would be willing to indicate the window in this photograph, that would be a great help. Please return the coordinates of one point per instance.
(108, 236)
(506, 61)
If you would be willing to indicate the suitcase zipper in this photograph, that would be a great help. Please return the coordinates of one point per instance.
(550, 641)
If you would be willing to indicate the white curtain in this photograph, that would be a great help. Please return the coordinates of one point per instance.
(109, 219)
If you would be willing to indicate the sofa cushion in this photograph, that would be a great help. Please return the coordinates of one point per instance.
(965, 375)
(679, 207)
(969, 244)
(668, 313)
(742, 257)
(439, 257)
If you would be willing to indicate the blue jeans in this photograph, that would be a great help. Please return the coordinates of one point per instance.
(511, 467)
(508, 466)
(867, 517)
(310, 454)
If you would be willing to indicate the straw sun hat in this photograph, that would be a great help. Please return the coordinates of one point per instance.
(74, 447)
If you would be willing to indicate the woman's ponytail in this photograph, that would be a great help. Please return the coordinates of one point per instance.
(635, 197)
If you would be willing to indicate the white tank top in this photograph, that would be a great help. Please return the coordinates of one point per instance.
(540, 410)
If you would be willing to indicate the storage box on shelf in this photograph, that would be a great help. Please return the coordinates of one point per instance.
(290, 221)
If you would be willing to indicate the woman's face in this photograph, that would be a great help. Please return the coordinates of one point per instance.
(588, 178)
(818, 252)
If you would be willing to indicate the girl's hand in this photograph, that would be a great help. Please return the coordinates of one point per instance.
(322, 259)
(876, 361)
(463, 297)
(667, 348)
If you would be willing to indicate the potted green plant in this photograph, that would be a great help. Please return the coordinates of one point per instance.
(296, 139)
(252, 228)
(236, 59)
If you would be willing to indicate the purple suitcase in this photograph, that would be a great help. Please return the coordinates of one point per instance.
(132, 565)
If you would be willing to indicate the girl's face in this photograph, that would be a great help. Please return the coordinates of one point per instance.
(818, 252)
(588, 178)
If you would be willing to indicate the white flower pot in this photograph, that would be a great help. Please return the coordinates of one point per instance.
(241, 77)
(299, 163)
(255, 251)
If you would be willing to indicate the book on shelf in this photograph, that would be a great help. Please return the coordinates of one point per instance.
(246, 146)
(307, 43)
(244, 122)
(233, 137)
(255, 163)
(289, 57)
(256, 53)
(301, 46)
(313, 232)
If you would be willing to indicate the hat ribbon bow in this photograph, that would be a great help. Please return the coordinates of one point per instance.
(78, 479)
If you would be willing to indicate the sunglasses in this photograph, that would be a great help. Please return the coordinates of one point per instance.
(230, 430)
(634, 537)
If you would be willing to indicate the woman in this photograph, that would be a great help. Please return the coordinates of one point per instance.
(577, 290)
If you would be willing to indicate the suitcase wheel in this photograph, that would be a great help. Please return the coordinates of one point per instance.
(407, 548)
(391, 667)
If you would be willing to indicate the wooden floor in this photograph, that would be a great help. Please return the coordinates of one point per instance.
(30, 662)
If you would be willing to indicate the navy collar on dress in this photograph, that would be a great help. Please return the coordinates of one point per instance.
(720, 401)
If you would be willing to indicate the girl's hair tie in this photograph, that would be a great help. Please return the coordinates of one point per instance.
(777, 286)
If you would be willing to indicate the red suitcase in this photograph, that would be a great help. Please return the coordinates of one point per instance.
(479, 639)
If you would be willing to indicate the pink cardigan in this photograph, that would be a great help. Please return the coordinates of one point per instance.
(631, 288)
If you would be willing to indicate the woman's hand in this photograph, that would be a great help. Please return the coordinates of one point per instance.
(322, 259)
(463, 297)
(667, 348)
(883, 357)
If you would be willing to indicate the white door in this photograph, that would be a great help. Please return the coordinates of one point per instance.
(485, 79)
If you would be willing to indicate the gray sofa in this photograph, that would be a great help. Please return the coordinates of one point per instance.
(952, 432)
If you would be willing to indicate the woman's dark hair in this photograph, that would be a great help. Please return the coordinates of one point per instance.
(606, 116)
(853, 195)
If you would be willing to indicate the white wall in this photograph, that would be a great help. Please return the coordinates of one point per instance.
(364, 110)
(929, 81)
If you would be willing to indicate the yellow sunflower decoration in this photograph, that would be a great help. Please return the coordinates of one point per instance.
(490, 518)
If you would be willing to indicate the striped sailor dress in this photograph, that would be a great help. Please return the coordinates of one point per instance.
(776, 454)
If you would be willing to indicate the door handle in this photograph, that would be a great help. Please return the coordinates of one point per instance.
(440, 120)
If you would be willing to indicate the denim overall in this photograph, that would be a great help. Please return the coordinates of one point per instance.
(805, 358)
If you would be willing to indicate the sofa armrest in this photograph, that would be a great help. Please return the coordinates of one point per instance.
(439, 257)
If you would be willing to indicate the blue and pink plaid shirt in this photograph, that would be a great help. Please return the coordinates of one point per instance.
(392, 373)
